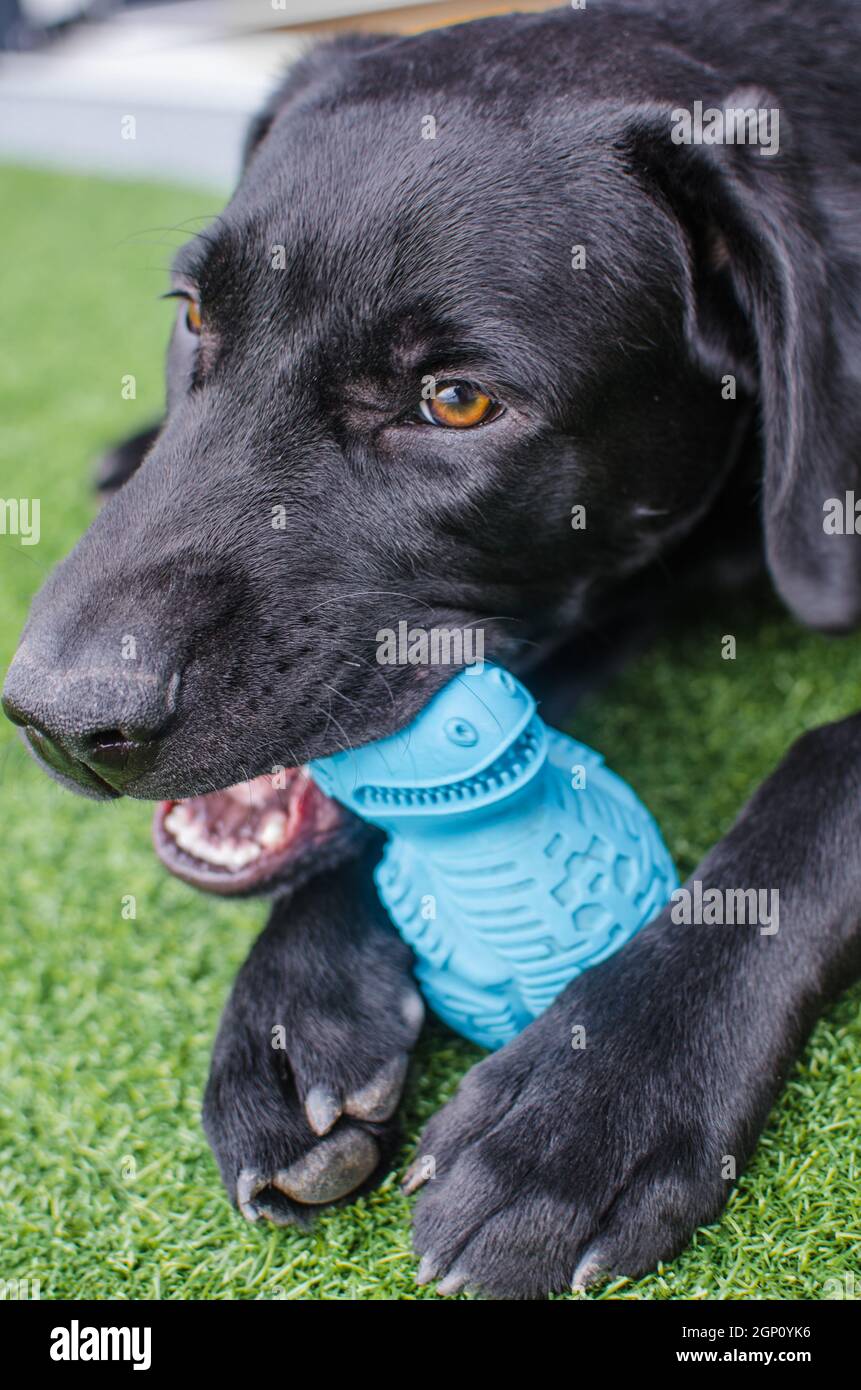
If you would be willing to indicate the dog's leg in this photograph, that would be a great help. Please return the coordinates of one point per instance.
(571, 1155)
(312, 1051)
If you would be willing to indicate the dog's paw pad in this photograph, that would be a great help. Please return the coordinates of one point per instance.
(336, 1166)
(330, 1170)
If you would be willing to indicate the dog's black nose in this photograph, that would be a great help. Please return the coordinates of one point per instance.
(66, 719)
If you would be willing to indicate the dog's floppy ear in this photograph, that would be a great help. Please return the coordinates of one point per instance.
(773, 301)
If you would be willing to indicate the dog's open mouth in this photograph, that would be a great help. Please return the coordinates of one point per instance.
(235, 840)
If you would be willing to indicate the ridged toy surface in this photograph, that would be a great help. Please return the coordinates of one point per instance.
(516, 859)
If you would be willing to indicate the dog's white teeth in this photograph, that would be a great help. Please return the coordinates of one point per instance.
(273, 830)
(177, 818)
(191, 837)
(235, 855)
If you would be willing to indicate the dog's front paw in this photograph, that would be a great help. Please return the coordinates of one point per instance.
(283, 1148)
(556, 1165)
(310, 1060)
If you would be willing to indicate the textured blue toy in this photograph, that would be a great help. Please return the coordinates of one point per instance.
(516, 859)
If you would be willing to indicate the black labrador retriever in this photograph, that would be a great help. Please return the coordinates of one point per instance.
(470, 281)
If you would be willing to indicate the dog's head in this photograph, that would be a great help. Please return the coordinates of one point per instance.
(450, 361)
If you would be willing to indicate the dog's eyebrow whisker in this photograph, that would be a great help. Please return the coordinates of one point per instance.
(193, 255)
(204, 236)
(161, 269)
(149, 241)
(180, 228)
(147, 237)
(206, 217)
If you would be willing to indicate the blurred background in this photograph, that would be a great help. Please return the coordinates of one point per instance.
(191, 72)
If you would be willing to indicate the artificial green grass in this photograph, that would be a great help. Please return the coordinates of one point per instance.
(108, 1188)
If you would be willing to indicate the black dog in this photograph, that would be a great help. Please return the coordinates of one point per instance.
(411, 209)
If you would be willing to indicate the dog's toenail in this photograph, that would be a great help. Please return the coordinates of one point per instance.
(322, 1109)
(413, 1178)
(413, 1012)
(452, 1283)
(277, 1209)
(248, 1184)
(588, 1271)
(428, 1269)
(338, 1164)
(379, 1099)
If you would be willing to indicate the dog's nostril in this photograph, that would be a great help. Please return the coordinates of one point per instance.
(115, 751)
(107, 738)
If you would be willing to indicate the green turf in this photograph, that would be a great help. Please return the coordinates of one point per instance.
(108, 1189)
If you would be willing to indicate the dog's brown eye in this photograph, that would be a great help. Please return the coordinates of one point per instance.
(189, 309)
(459, 405)
(192, 315)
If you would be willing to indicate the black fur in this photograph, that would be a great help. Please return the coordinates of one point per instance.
(452, 256)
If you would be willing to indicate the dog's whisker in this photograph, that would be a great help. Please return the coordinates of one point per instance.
(368, 593)
(376, 671)
(341, 695)
(339, 726)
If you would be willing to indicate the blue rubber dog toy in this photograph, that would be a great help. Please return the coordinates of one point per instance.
(515, 859)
